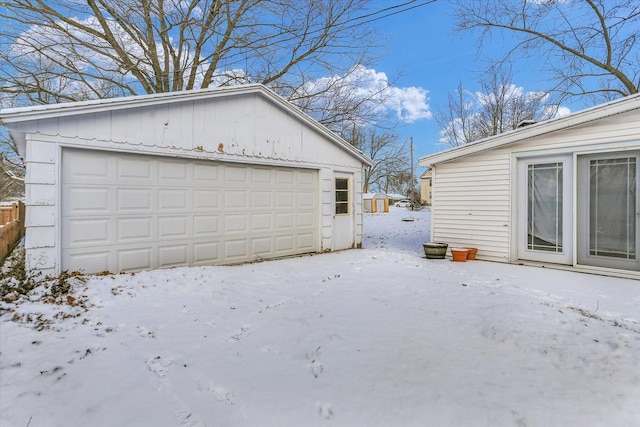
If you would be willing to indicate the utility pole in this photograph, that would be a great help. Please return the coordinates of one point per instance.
(413, 196)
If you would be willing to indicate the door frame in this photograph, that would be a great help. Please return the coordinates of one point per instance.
(522, 252)
(582, 203)
(343, 236)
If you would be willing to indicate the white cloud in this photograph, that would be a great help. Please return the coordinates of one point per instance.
(372, 92)
(562, 111)
(410, 103)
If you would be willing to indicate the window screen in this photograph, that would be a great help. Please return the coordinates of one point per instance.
(544, 207)
(612, 207)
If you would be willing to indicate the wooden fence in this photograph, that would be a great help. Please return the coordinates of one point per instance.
(11, 227)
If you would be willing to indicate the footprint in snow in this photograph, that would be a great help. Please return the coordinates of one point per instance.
(314, 365)
(221, 394)
(325, 409)
(159, 366)
(244, 331)
(145, 333)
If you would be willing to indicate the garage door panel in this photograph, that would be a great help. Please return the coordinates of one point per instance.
(88, 167)
(92, 262)
(205, 174)
(284, 221)
(173, 227)
(305, 242)
(261, 200)
(236, 223)
(206, 253)
(262, 246)
(306, 200)
(135, 170)
(284, 244)
(206, 199)
(284, 177)
(93, 231)
(285, 200)
(236, 249)
(205, 224)
(235, 199)
(134, 228)
(172, 256)
(174, 172)
(173, 199)
(305, 219)
(236, 175)
(135, 259)
(261, 177)
(261, 222)
(306, 178)
(88, 199)
(133, 200)
(148, 212)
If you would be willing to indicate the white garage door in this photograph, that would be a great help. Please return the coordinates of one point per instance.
(128, 212)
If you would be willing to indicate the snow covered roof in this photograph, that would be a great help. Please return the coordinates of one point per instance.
(395, 196)
(369, 196)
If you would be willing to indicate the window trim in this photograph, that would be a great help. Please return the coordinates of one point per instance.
(337, 202)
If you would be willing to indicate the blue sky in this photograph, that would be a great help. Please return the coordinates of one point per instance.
(422, 51)
(425, 51)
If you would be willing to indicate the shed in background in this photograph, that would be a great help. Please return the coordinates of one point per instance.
(375, 202)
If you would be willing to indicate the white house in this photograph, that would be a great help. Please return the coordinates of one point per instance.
(204, 177)
(562, 192)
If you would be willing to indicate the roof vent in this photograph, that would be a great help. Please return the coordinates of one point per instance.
(525, 123)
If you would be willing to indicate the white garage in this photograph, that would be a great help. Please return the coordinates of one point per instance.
(197, 178)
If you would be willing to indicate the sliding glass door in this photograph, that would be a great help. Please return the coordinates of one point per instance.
(608, 229)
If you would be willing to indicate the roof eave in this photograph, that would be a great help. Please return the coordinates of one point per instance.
(609, 109)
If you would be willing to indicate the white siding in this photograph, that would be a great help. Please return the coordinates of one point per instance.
(471, 204)
(473, 195)
(41, 193)
(620, 128)
(241, 128)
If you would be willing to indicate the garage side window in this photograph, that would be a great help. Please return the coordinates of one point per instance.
(342, 196)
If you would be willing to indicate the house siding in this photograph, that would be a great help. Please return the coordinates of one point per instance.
(473, 195)
(621, 128)
(471, 204)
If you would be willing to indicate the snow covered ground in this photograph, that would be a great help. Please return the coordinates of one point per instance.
(374, 337)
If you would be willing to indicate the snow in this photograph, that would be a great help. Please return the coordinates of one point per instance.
(375, 337)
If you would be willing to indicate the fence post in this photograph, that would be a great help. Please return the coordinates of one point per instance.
(20, 211)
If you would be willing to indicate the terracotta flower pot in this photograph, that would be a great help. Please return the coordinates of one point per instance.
(471, 255)
(435, 250)
(459, 254)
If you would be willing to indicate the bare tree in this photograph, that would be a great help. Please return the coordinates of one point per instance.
(499, 107)
(588, 47)
(391, 167)
(11, 170)
(456, 120)
(66, 50)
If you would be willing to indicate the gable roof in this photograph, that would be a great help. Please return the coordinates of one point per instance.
(619, 106)
(12, 117)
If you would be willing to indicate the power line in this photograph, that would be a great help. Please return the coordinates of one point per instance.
(395, 12)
